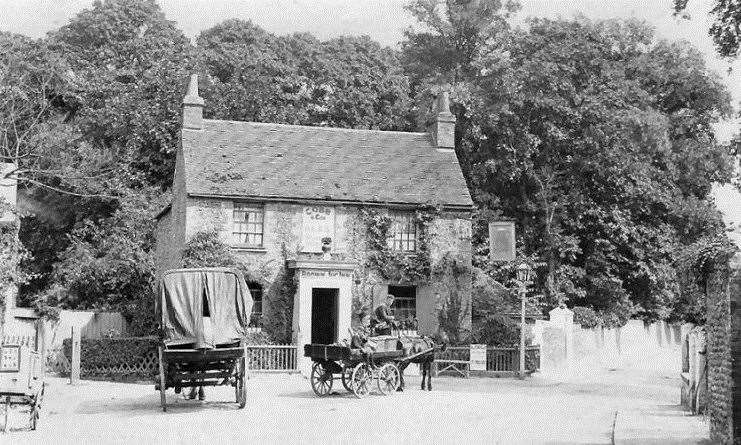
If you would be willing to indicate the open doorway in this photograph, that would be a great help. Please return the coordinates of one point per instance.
(324, 311)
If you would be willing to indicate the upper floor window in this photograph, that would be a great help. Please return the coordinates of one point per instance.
(248, 223)
(403, 232)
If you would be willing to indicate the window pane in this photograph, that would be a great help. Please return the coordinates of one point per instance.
(248, 224)
(403, 232)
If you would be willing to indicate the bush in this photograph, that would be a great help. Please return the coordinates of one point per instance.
(258, 338)
(586, 317)
(498, 330)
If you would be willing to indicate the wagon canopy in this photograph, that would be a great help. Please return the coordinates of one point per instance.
(207, 307)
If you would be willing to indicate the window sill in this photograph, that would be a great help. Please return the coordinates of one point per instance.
(248, 248)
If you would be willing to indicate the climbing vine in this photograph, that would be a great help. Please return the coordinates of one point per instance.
(394, 265)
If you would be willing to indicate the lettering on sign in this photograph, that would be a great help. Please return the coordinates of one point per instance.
(326, 273)
(478, 358)
(317, 223)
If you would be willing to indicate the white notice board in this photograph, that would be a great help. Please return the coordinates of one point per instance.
(478, 358)
(317, 223)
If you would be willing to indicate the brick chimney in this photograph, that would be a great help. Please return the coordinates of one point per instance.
(193, 106)
(442, 126)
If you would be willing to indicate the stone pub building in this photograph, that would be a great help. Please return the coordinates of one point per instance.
(327, 220)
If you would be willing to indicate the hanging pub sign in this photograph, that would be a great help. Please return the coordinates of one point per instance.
(317, 223)
(502, 240)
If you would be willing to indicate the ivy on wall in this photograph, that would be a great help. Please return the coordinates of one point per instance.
(394, 265)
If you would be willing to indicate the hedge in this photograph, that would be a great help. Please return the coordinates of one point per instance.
(112, 353)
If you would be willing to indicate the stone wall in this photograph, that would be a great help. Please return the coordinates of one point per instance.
(719, 359)
(450, 232)
(735, 306)
(637, 345)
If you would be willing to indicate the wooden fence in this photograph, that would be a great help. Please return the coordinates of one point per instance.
(23, 340)
(498, 359)
(272, 358)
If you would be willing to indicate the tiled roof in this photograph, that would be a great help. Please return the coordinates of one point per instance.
(263, 160)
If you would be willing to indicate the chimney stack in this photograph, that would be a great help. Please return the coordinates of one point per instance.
(193, 106)
(442, 126)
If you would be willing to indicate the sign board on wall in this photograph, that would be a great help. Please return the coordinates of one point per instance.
(502, 240)
(317, 223)
(478, 358)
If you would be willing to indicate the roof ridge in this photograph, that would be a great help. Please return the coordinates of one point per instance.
(356, 130)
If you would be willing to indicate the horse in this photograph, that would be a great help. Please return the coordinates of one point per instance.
(422, 351)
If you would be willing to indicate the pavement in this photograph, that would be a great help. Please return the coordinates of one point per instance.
(623, 406)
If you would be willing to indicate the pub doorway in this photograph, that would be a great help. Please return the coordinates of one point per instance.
(324, 312)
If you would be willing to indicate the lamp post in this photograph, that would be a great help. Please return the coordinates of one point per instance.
(524, 271)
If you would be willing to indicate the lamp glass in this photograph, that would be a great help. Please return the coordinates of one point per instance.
(523, 272)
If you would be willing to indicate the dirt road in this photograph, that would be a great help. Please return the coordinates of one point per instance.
(624, 406)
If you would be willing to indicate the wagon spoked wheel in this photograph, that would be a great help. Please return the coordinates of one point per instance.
(389, 379)
(321, 379)
(240, 384)
(347, 378)
(361, 380)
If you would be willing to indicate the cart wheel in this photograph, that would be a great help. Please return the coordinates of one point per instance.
(388, 379)
(163, 395)
(240, 387)
(347, 378)
(321, 379)
(361, 380)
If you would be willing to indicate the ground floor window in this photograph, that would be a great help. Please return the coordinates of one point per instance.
(256, 315)
(405, 305)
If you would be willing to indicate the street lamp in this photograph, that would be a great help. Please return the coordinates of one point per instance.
(524, 273)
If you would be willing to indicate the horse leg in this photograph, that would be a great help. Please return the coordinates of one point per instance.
(428, 366)
(402, 366)
(425, 374)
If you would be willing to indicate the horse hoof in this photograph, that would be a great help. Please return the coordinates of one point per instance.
(399, 389)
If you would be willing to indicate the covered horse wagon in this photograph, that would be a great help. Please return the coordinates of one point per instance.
(203, 315)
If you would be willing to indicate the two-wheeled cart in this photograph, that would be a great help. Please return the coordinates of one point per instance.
(204, 314)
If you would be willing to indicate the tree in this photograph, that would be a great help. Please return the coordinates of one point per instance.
(591, 136)
(349, 82)
(725, 30)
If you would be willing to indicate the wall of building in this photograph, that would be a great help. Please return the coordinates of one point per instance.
(170, 232)
(284, 239)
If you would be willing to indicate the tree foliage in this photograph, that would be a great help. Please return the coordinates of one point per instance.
(725, 29)
(595, 137)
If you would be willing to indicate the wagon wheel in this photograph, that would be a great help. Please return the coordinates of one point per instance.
(362, 376)
(240, 384)
(389, 379)
(321, 379)
(347, 378)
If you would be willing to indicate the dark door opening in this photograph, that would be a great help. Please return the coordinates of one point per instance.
(324, 315)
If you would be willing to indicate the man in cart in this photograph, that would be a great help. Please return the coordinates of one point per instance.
(383, 319)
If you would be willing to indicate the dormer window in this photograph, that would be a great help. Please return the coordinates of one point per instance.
(248, 223)
(403, 233)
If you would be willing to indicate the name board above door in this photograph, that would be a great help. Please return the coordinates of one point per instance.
(317, 223)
